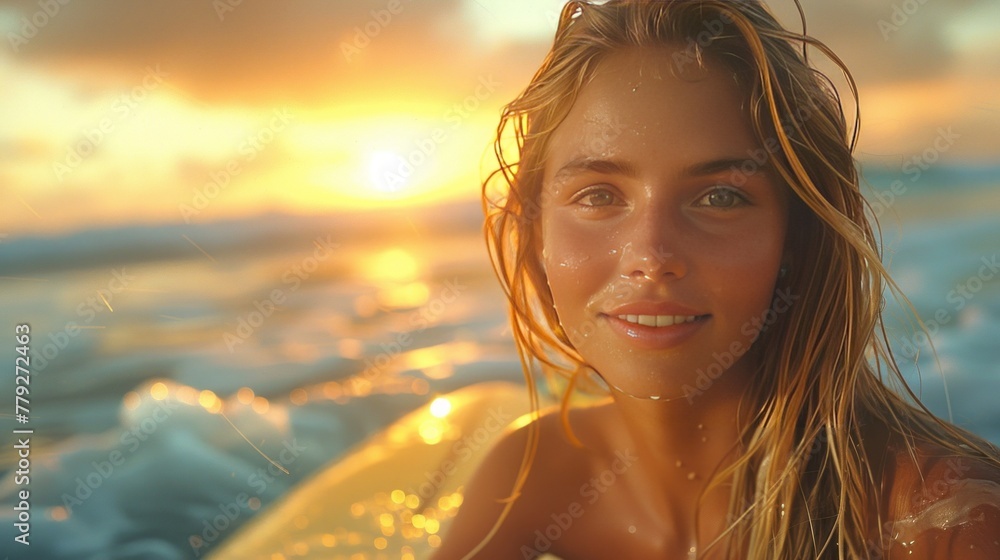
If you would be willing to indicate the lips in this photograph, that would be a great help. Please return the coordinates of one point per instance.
(655, 324)
(658, 320)
(655, 309)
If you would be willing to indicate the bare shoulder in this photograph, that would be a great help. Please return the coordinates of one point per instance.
(555, 468)
(944, 505)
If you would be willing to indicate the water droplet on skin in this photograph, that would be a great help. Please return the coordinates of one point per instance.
(631, 529)
(574, 261)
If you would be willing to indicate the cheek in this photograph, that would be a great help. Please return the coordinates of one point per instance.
(576, 264)
(745, 274)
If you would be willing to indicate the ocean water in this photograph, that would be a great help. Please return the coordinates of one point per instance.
(178, 366)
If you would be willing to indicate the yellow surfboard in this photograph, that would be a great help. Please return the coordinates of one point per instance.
(392, 497)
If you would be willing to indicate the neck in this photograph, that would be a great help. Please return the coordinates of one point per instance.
(699, 432)
(681, 443)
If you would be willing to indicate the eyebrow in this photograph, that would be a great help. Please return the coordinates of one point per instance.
(724, 164)
(628, 169)
(596, 165)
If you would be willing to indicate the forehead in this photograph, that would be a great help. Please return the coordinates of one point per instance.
(656, 101)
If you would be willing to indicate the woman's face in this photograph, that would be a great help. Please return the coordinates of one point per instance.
(662, 229)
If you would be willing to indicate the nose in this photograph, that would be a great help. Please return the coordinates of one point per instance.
(650, 249)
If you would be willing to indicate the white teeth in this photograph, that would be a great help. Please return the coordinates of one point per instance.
(657, 320)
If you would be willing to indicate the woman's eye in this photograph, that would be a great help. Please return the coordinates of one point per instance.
(722, 197)
(597, 198)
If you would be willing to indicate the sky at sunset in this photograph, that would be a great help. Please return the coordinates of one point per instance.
(165, 111)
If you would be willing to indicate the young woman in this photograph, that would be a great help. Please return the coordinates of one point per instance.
(682, 222)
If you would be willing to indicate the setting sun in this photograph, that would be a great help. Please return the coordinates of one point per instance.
(388, 172)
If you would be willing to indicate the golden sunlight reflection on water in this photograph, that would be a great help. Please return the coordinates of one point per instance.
(437, 362)
(394, 265)
(396, 274)
(404, 296)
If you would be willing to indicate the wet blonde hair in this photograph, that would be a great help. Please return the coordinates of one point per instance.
(825, 366)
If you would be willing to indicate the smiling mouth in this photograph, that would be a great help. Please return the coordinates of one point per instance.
(659, 320)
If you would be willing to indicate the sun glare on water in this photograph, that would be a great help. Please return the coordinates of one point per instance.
(397, 275)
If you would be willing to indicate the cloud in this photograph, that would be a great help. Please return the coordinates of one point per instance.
(888, 40)
(241, 51)
(315, 51)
